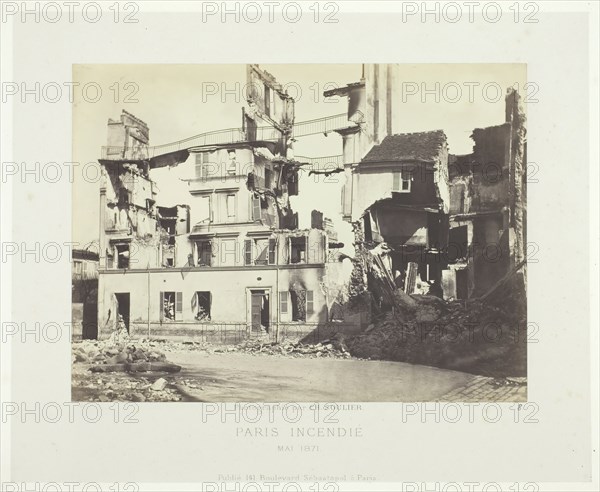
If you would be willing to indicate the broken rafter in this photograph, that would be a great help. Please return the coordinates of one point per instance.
(327, 173)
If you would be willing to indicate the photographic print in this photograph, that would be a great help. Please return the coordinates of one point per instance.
(360, 235)
(299, 246)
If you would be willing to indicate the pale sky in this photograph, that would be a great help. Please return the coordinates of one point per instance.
(175, 102)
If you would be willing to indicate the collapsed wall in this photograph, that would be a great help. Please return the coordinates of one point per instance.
(478, 243)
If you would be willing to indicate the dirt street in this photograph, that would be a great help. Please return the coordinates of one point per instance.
(229, 376)
(245, 377)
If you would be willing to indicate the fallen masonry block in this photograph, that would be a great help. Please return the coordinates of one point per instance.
(159, 385)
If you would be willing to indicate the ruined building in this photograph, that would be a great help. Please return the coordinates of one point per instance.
(488, 204)
(227, 257)
(441, 224)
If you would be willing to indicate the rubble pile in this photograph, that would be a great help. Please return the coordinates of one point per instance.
(119, 387)
(100, 352)
(476, 337)
(107, 356)
(333, 348)
(165, 345)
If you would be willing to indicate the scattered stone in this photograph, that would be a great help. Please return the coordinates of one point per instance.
(93, 354)
(118, 358)
(159, 384)
(452, 335)
(334, 348)
(81, 357)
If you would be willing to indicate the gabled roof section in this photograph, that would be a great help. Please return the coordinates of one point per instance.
(420, 146)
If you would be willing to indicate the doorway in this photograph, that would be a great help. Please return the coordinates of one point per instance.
(259, 310)
(123, 308)
(90, 315)
(462, 284)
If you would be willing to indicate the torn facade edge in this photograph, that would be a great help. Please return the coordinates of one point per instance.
(485, 211)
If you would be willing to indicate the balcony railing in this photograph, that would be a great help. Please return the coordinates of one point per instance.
(321, 125)
(229, 136)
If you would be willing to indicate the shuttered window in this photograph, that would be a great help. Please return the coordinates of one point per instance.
(248, 252)
(201, 164)
(256, 209)
(272, 246)
(283, 302)
(310, 309)
(161, 304)
(178, 305)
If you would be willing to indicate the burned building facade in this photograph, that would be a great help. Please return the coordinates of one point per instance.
(229, 254)
(442, 224)
(403, 201)
(226, 248)
(487, 236)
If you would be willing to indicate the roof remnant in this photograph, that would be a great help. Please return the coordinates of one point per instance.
(345, 90)
(423, 146)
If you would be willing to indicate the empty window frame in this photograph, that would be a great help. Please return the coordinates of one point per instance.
(204, 251)
(260, 251)
(458, 243)
(232, 164)
(201, 304)
(171, 306)
(122, 252)
(298, 249)
(302, 303)
(205, 210)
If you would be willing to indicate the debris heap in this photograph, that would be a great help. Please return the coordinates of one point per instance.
(118, 387)
(333, 348)
(121, 357)
(477, 337)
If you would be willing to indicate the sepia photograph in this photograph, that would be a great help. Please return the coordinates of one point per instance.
(325, 246)
(306, 233)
